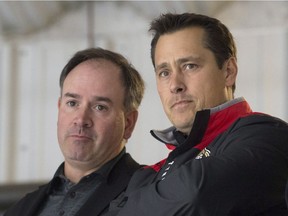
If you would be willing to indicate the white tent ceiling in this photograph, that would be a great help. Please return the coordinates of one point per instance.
(24, 17)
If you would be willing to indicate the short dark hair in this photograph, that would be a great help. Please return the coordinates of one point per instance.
(132, 80)
(217, 37)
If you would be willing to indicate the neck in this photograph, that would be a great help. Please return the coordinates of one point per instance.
(76, 173)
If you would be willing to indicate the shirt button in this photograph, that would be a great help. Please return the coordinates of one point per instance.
(73, 194)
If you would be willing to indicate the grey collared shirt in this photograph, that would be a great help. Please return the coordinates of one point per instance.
(66, 198)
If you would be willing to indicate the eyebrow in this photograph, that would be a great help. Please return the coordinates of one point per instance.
(189, 58)
(95, 98)
(161, 66)
(72, 95)
(178, 61)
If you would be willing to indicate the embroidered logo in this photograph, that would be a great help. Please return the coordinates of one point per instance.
(204, 153)
(166, 170)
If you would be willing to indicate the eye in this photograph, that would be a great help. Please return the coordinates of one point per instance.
(164, 73)
(100, 108)
(71, 103)
(190, 66)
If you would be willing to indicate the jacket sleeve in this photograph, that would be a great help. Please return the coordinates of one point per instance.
(29, 204)
(245, 174)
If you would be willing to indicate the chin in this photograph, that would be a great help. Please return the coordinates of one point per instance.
(185, 128)
(185, 123)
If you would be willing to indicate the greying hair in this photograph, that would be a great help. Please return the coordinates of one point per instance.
(131, 78)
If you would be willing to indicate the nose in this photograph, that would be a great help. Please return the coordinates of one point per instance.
(83, 118)
(177, 84)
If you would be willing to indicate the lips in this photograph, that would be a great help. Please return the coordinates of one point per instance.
(80, 136)
(181, 103)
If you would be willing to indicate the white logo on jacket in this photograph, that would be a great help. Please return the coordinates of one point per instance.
(166, 170)
(204, 153)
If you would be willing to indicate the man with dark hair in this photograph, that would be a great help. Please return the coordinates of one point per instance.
(225, 159)
(100, 95)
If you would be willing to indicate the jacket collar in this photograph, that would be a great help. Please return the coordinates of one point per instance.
(220, 118)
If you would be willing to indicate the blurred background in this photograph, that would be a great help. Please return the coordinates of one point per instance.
(37, 38)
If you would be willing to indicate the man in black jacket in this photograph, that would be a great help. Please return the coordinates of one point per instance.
(225, 159)
(100, 96)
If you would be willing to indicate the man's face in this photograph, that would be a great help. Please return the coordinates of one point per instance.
(92, 122)
(188, 77)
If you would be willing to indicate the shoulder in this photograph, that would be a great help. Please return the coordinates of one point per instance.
(128, 163)
(124, 168)
(27, 202)
(259, 125)
(261, 119)
(256, 131)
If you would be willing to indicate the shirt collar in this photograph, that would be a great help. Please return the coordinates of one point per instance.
(104, 171)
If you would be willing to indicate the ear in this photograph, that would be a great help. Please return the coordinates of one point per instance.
(231, 70)
(130, 122)
(59, 103)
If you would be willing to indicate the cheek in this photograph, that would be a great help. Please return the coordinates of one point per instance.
(163, 94)
(159, 90)
(62, 123)
(61, 120)
(60, 130)
(211, 95)
(162, 85)
(111, 135)
(120, 123)
(113, 125)
(164, 101)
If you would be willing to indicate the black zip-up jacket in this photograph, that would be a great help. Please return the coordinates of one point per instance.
(234, 162)
(96, 204)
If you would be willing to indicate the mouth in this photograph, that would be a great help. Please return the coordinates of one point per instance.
(180, 104)
(80, 137)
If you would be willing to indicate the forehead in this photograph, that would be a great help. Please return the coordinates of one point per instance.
(180, 44)
(94, 75)
(187, 37)
(95, 68)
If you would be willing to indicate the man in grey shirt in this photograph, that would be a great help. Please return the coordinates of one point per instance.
(98, 109)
